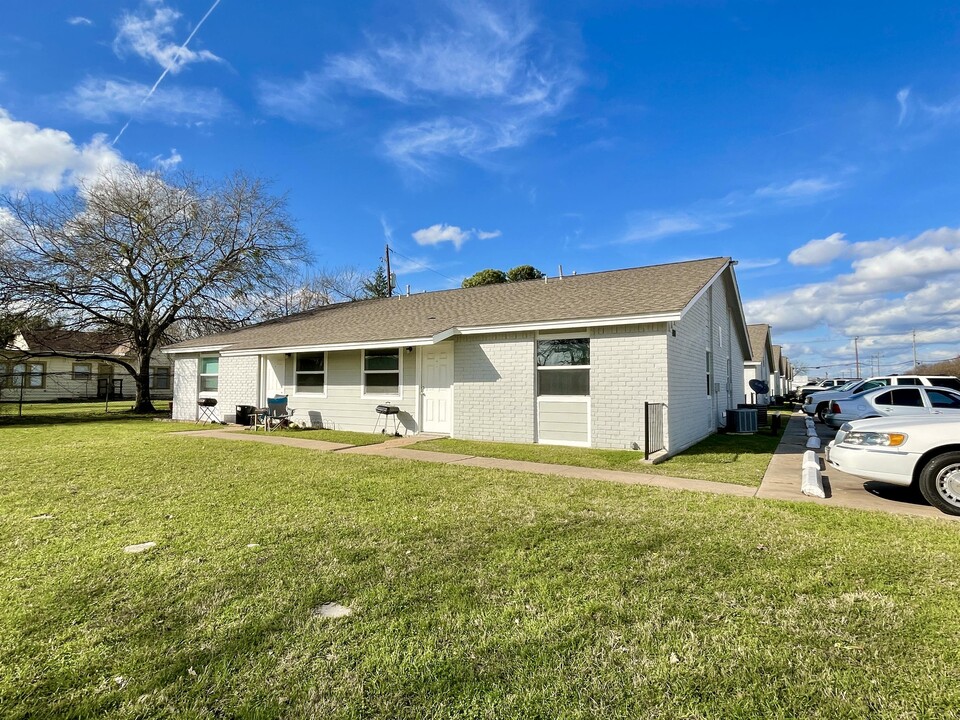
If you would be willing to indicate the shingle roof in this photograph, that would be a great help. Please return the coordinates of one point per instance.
(776, 357)
(639, 291)
(758, 340)
(74, 341)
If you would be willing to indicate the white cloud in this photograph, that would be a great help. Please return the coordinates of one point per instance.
(105, 101)
(757, 264)
(441, 233)
(498, 73)
(79, 20)
(802, 188)
(151, 37)
(653, 226)
(35, 158)
(903, 96)
(168, 163)
(892, 287)
(820, 252)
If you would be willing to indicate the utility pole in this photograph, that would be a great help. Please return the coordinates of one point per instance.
(389, 276)
(915, 368)
(856, 353)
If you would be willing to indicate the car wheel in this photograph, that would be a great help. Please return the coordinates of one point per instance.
(940, 482)
(821, 412)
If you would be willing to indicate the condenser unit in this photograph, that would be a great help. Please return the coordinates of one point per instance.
(742, 421)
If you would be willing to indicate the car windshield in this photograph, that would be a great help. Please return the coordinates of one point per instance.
(850, 385)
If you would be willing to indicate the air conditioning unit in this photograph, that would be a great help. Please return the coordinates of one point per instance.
(742, 421)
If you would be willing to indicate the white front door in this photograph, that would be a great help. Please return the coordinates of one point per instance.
(274, 370)
(437, 388)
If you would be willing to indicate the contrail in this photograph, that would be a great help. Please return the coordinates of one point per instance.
(166, 70)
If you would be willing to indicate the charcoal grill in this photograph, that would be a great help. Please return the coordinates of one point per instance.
(384, 412)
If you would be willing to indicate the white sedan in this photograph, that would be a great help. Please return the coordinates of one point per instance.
(904, 451)
(893, 401)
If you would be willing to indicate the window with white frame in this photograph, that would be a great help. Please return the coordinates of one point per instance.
(160, 378)
(381, 372)
(82, 371)
(311, 372)
(209, 374)
(25, 374)
(563, 367)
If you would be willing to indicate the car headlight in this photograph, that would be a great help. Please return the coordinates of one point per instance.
(874, 439)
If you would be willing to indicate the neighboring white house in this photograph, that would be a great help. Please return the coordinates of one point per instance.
(567, 361)
(777, 372)
(28, 370)
(759, 364)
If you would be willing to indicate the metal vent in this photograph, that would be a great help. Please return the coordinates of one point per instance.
(742, 421)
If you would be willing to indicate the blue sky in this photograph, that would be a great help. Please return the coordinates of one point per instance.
(817, 143)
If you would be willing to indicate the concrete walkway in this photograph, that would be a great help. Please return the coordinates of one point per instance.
(782, 479)
(396, 448)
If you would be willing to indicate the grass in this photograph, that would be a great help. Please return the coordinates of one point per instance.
(475, 594)
(347, 437)
(738, 459)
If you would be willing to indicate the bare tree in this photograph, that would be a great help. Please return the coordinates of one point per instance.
(304, 291)
(143, 255)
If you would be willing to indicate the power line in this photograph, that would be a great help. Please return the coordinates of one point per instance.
(421, 265)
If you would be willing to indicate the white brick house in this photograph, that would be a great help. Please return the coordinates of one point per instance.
(563, 360)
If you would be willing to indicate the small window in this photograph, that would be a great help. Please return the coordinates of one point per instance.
(30, 375)
(909, 381)
(943, 399)
(209, 374)
(709, 372)
(563, 367)
(948, 382)
(381, 371)
(906, 397)
(310, 372)
(82, 371)
(160, 378)
(884, 398)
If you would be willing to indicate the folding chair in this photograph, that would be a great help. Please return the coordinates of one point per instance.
(206, 411)
(278, 415)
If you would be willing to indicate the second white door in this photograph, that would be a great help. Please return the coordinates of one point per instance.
(437, 388)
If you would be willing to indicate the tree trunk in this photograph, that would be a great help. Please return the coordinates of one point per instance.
(143, 404)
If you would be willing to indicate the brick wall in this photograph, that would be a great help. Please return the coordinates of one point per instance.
(494, 387)
(239, 384)
(709, 324)
(628, 366)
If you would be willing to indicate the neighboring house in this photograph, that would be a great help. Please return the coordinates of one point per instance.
(758, 366)
(26, 365)
(776, 372)
(567, 361)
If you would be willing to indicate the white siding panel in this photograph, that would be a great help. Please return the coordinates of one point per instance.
(564, 422)
(343, 408)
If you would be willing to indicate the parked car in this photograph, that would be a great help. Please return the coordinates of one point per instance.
(828, 384)
(819, 402)
(921, 451)
(888, 401)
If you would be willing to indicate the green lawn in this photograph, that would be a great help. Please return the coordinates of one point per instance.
(348, 437)
(738, 459)
(474, 593)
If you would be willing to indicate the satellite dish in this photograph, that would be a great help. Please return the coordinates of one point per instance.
(760, 387)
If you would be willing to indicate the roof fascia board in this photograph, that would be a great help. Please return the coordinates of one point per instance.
(703, 290)
(570, 324)
(742, 325)
(402, 342)
(197, 349)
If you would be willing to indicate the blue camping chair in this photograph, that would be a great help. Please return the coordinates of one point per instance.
(275, 415)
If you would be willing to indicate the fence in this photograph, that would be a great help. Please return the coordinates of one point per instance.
(28, 386)
(652, 428)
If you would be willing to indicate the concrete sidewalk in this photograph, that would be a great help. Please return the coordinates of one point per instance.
(396, 448)
(782, 479)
